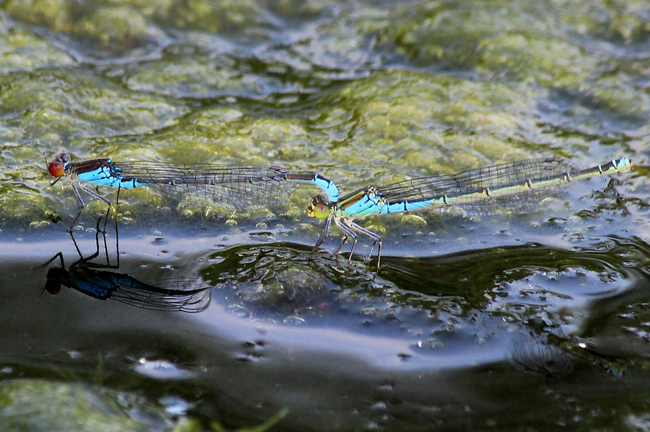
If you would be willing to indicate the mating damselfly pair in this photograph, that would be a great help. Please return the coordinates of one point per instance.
(506, 186)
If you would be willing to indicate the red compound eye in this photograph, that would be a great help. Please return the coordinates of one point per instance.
(56, 169)
(53, 289)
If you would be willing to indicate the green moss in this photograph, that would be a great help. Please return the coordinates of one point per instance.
(22, 50)
(230, 16)
(617, 20)
(57, 15)
(108, 30)
(322, 99)
(44, 405)
(531, 42)
(148, 8)
(202, 77)
(116, 29)
(56, 104)
(425, 123)
(549, 61)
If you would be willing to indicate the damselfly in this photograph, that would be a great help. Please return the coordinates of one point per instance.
(506, 186)
(240, 185)
(95, 279)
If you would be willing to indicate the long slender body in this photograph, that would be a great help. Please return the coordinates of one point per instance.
(92, 279)
(507, 186)
(183, 295)
(240, 185)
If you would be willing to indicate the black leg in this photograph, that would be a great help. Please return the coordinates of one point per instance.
(323, 236)
(377, 240)
(349, 232)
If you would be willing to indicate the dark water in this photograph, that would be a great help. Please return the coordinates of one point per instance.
(217, 317)
(497, 332)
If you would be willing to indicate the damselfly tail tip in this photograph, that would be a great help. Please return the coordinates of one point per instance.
(624, 165)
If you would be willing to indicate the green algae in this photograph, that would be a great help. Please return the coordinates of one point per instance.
(57, 15)
(200, 78)
(518, 40)
(429, 123)
(617, 21)
(44, 405)
(21, 50)
(122, 27)
(478, 83)
(110, 30)
(55, 104)
(117, 29)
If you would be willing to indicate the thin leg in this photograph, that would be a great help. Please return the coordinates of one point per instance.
(108, 211)
(323, 236)
(349, 232)
(82, 260)
(377, 243)
(81, 257)
(81, 202)
(74, 242)
(94, 194)
(74, 222)
(117, 242)
(378, 253)
(60, 255)
(372, 235)
(117, 201)
(86, 261)
(117, 245)
(81, 206)
(77, 195)
(108, 261)
(345, 239)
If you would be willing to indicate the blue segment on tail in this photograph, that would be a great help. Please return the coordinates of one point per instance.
(96, 287)
(371, 203)
(328, 186)
(403, 206)
(622, 164)
(102, 286)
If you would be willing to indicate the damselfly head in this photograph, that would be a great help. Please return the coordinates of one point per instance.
(53, 280)
(318, 207)
(58, 164)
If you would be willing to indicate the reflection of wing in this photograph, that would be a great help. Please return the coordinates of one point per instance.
(173, 295)
(549, 361)
(185, 295)
(615, 365)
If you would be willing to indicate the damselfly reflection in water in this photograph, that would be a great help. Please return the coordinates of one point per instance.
(96, 280)
(553, 359)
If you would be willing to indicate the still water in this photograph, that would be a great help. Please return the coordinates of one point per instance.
(480, 336)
